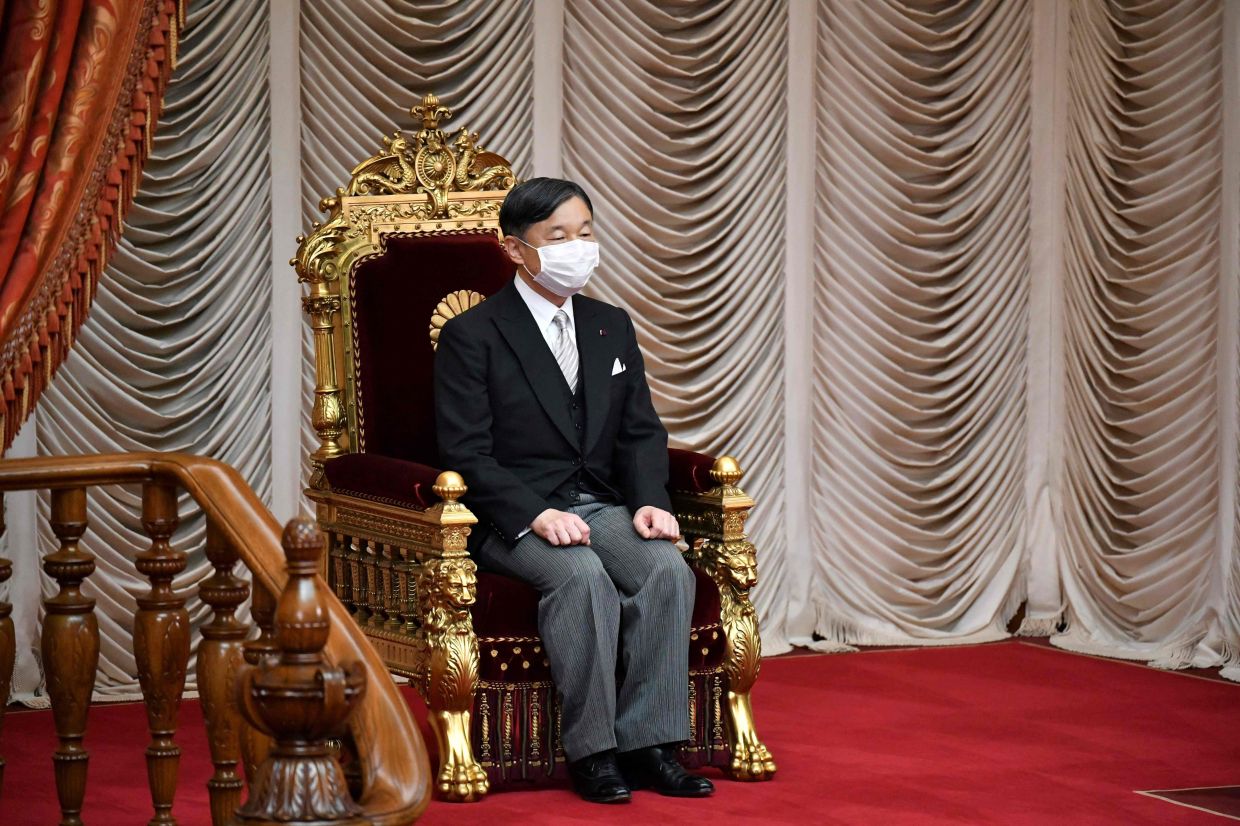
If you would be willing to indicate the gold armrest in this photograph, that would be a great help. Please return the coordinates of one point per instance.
(714, 526)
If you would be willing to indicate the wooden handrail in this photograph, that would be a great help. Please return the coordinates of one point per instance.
(395, 770)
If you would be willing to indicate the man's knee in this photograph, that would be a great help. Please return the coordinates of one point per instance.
(586, 577)
(669, 568)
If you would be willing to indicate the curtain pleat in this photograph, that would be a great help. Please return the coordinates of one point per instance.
(176, 352)
(674, 123)
(921, 315)
(1141, 556)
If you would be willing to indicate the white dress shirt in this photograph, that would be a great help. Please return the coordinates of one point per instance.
(544, 313)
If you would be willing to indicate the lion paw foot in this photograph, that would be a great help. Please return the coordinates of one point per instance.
(752, 762)
(462, 782)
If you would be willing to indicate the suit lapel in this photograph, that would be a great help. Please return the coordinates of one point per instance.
(595, 370)
(541, 370)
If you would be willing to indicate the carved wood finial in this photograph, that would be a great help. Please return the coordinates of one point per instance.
(301, 702)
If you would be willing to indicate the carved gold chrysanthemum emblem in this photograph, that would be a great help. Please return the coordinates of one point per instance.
(450, 306)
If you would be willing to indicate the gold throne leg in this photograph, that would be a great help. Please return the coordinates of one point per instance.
(447, 587)
(461, 778)
(750, 758)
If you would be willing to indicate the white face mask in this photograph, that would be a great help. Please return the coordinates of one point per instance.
(565, 268)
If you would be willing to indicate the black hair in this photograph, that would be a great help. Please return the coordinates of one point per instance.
(534, 200)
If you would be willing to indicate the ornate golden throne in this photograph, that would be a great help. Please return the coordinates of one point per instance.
(411, 241)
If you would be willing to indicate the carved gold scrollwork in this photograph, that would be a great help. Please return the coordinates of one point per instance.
(535, 726)
(693, 708)
(428, 163)
(484, 709)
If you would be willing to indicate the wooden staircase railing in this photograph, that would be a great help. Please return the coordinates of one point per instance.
(270, 703)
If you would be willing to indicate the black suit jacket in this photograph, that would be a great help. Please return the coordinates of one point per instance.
(503, 416)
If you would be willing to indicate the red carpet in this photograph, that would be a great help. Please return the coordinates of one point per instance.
(1008, 733)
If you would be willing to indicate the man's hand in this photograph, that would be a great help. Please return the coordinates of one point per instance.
(560, 528)
(655, 523)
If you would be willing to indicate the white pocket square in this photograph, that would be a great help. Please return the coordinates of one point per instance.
(617, 368)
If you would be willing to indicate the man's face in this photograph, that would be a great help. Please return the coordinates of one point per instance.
(571, 220)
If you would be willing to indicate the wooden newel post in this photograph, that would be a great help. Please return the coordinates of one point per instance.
(300, 702)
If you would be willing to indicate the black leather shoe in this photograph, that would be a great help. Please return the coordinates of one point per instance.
(597, 778)
(656, 768)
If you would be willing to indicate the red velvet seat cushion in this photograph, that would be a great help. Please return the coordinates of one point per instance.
(689, 471)
(382, 479)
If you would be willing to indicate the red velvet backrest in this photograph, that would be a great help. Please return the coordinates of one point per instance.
(392, 298)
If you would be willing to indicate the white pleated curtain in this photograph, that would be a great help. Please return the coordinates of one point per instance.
(1021, 344)
(921, 319)
(1146, 525)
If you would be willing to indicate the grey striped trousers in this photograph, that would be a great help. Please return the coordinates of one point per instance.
(621, 595)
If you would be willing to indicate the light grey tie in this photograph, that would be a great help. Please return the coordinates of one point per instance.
(565, 350)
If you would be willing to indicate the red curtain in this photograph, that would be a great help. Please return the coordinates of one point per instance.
(80, 87)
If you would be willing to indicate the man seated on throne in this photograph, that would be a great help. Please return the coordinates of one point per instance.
(542, 404)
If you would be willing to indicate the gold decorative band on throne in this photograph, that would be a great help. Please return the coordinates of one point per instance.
(81, 86)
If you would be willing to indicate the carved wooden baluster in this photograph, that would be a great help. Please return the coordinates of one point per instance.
(406, 597)
(70, 646)
(8, 641)
(300, 700)
(357, 575)
(337, 554)
(254, 743)
(336, 567)
(161, 645)
(219, 660)
(374, 582)
(390, 608)
(383, 574)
